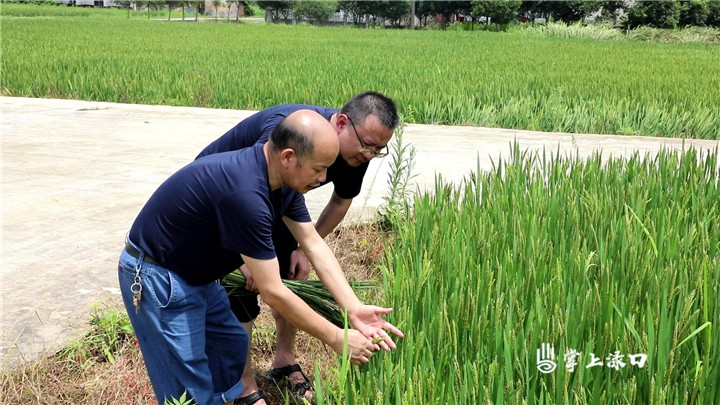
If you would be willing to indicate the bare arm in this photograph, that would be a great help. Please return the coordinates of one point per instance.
(267, 278)
(332, 215)
(324, 262)
(365, 318)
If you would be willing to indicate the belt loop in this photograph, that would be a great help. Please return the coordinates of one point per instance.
(138, 265)
(141, 253)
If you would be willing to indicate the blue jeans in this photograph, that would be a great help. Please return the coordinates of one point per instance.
(189, 337)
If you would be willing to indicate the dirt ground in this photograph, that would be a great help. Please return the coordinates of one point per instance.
(55, 380)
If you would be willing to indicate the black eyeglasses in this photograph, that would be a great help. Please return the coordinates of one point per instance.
(364, 148)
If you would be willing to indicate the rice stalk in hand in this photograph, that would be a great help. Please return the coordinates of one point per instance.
(313, 292)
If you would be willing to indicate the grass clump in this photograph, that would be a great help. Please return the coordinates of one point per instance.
(402, 163)
(684, 35)
(104, 367)
(700, 35)
(110, 332)
(584, 31)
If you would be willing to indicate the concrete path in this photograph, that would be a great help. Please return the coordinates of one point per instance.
(76, 173)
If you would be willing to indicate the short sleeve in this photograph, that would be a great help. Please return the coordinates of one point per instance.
(245, 225)
(294, 206)
(347, 180)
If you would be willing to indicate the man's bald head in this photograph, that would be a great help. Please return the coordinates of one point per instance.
(305, 132)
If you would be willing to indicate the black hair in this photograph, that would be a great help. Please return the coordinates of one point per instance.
(284, 136)
(372, 103)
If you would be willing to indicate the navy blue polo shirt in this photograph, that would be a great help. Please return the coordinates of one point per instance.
(346, 179)
(203, 217)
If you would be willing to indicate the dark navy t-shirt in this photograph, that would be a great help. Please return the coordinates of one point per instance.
(346, 179)
(203, 217)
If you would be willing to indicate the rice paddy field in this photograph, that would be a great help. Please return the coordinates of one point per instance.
(611, 266)
(519, 79)
(547, 280)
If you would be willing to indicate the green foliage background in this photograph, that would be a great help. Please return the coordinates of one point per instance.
(519, 79)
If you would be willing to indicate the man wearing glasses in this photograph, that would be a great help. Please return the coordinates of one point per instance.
(364, 126)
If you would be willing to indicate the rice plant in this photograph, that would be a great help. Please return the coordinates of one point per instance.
(610, 264)
(522, 80)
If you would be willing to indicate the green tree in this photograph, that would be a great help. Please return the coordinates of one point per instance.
(278, 9)
(658, 14)
(198, 7)
(216, 5)
(354, 8)
(694, 12)
(531, 10)
(423, 11)
(663, 14)
(318, 11)
(447, 9)
(182, 5)
(611, 10)
(566, 11)
(570, 11)
(246, 9)
(713, 18)
(393, 10)
(500, 12)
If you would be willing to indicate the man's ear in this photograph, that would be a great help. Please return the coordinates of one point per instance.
(287, 157)
(342, 121)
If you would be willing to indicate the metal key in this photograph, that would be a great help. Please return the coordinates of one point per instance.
(136, 289)
(136, 300)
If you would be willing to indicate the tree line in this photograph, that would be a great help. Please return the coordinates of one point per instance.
(629, 14)
(626, 13)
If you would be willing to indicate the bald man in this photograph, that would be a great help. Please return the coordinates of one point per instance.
(364, 126)
(205, 221)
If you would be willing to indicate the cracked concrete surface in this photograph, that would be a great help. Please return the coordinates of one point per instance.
(75, 174)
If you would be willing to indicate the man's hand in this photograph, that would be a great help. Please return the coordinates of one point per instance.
(299, 265)
(368, 321)
(249, 280)
(360, 347)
